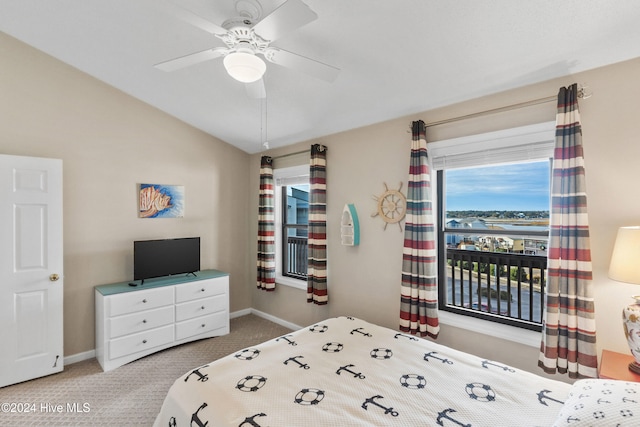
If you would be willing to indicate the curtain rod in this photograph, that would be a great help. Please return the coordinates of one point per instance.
(582, 94)
(494, 110)
(291, 154)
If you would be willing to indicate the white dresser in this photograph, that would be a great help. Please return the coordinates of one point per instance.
(132, 322)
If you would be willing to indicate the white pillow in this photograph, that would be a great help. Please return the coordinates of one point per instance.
(601, 403)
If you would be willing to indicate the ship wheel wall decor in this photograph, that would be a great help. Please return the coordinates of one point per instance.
(392, 206)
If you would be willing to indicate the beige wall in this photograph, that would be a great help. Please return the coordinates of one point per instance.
(109, 142)
(364, 281)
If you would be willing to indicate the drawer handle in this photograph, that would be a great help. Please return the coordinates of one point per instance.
(144, 301)
(144, 320)
(202, 307)
(202, 289)
(203, 325)
(144, 341)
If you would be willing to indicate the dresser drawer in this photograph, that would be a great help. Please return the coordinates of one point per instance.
(138, 322)
(201, 307)
(202, 289)
(141, 341)
(200, 325)
(132, 302)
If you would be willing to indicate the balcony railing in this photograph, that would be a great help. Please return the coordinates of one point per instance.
(295, 264)
(504, 287)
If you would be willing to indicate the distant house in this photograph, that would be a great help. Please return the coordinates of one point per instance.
(454, 240)
(518, 246)
(475, 223)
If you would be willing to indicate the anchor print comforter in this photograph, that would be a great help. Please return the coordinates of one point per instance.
(348, 372)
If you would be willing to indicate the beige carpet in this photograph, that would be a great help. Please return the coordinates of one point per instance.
(129, 395)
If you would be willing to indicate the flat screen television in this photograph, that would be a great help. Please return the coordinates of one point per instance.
(165, 257)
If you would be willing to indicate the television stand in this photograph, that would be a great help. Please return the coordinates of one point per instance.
(132, 322)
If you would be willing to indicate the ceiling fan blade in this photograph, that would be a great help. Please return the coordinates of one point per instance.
(194, 58)
(256, 90)
(287, 17)
(198, 21)
(300, 63)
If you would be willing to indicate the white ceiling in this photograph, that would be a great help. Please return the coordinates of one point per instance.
(397, 57)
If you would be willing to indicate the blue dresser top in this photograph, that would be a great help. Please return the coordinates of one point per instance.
(158, 282)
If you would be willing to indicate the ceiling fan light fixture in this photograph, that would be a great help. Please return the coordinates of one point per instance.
(244, 67)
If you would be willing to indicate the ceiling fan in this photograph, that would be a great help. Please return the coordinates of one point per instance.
(246, 36)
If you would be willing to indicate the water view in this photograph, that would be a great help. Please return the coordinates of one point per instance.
(496, 262)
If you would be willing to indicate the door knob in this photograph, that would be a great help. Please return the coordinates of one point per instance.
(54, 277)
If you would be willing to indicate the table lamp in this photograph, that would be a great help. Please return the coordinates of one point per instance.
(625, 267)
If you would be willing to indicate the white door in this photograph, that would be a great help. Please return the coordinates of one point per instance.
(31, 279)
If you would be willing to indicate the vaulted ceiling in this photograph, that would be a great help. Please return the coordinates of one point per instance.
(396, 58)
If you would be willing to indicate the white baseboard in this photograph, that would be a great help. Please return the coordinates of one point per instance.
(86, 355)
(275, 319)
(240, 313)
(79, 357)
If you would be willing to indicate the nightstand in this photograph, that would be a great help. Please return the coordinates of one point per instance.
(615, 366)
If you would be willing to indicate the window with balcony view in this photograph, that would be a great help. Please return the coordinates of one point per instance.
(292, 219)
(295, 220)
(494, 228)
(492, 197)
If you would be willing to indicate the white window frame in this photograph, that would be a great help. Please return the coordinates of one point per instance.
(286, 176)
(521, 144)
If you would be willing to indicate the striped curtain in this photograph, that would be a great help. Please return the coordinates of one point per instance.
(317, 251)
(266, 227)
(419, 288)
(569, 330)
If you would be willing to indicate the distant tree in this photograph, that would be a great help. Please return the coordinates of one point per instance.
(514, 274)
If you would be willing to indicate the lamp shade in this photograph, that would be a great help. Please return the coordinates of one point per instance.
(244, 67)
(625, 260)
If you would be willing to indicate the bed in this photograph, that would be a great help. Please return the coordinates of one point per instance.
(348, 372)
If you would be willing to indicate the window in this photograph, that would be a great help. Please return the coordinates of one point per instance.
(295, 220)
(493, 197)
(292, 218)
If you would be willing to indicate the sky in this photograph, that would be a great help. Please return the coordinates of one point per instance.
(511, 187)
